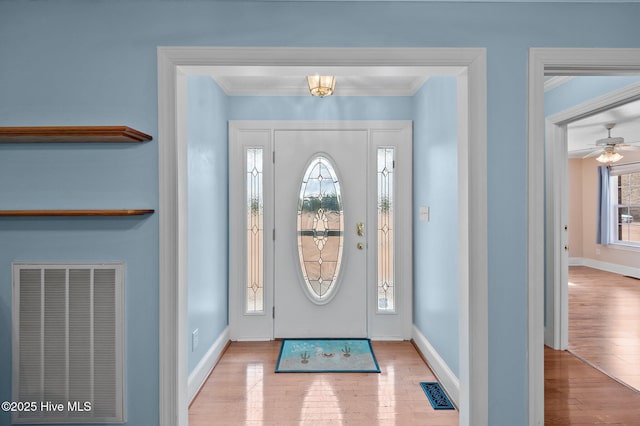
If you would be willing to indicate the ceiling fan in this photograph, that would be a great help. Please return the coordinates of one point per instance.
(608, 148)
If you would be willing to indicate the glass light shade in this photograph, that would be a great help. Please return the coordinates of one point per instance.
(321, 85)
(609, 157)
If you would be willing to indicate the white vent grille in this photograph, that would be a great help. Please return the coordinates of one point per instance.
(68, 329)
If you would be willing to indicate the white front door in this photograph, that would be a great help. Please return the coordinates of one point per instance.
(367, 167)
(320, 214)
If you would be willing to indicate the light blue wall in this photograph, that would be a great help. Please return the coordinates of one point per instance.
(208, 215)
(435, 245)
(582, 89)
(309, 108)
(79, 62)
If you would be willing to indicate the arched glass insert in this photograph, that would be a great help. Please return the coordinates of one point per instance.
(320, 229)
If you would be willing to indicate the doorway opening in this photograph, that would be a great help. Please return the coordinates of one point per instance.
(585, 308)
(552, 62)
(560, 249)
(176, 64)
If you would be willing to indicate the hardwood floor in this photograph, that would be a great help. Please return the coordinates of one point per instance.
(604, 322)
(577, 394)
(244, 390)
(604, 328)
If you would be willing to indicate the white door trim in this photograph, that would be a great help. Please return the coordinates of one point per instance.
(557, 299)
(173, 65)
(553, 61)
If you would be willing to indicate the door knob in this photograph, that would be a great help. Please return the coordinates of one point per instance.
(360, 229)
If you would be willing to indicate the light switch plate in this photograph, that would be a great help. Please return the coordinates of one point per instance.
(424, 213)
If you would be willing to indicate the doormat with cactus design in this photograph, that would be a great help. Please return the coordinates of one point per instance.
(327, 356)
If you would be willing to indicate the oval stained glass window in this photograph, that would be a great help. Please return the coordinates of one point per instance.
(320, 229)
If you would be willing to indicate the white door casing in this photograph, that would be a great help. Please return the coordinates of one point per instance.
(356, 302)
(175, 64)
(543, 62)
(345, 312)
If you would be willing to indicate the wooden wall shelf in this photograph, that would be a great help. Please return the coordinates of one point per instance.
(27, 213)
(76, 134)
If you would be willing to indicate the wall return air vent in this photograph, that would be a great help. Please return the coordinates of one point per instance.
(68, 343)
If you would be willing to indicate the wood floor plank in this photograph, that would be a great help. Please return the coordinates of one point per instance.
(244, 390)
(604, 313)
(604, 322)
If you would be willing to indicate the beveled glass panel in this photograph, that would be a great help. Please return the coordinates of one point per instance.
(320, 229)
(255, 232)
(386, 261)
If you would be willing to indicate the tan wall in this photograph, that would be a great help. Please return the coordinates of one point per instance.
(583, 200)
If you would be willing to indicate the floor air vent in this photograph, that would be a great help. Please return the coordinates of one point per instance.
(68, 364)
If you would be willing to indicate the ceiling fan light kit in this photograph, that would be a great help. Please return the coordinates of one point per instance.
(608, 153)
(609, 157)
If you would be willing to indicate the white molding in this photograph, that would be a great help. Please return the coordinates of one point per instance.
(473, 268)
(554, 82)
(535, 238)
(610, 100)
(629, 271)
(473, 315)
(173, 407)
(553, 61)
(576, 261)
(443, 373)
(557, 217)
(202, 371)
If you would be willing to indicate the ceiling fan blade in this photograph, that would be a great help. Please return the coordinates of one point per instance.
(593, 153)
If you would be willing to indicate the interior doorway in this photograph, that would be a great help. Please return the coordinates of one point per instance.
(545, 62)
(557, 208)
(469, 67)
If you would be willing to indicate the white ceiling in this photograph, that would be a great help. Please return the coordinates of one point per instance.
(350, 81)
(583, 134)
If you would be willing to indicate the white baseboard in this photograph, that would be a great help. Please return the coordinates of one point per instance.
(576, 261)
(445, 376)
(206, 364)
(609, 267)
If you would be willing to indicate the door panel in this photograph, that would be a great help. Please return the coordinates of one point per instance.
(297, 312)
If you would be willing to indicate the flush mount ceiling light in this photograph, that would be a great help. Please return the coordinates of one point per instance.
(321, 85)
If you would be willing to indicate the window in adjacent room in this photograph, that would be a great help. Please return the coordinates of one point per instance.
(625, 197)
